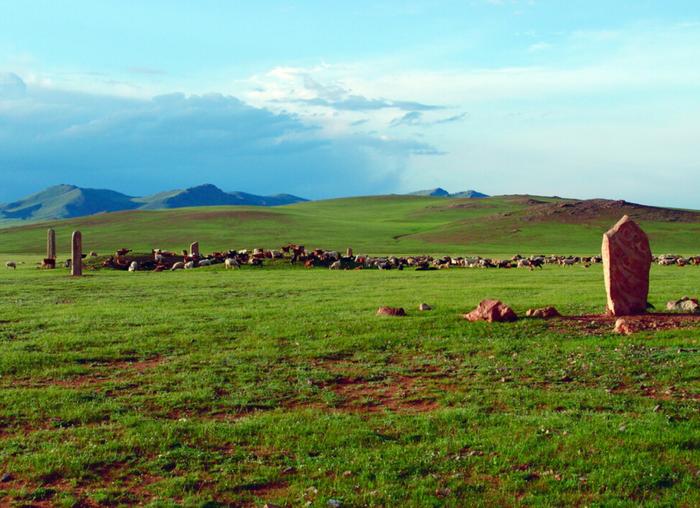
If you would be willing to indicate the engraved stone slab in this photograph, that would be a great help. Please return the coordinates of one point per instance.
(626, 265)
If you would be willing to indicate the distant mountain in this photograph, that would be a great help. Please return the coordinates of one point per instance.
(442, 193)
(211, 195)
(67, 201)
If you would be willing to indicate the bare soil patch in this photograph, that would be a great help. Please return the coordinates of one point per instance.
(602, 324)
(102, 372)
(594, 209)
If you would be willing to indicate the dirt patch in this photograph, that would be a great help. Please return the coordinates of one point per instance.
(134, 491)
(398, 393)
(601, 324)
(104, 372)
(573, 211)
(271, 489)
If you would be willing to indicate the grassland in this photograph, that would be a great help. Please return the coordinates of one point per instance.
(374, 225)
(280, 385)
(240, 388)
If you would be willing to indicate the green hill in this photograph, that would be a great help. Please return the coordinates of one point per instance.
(503, 225)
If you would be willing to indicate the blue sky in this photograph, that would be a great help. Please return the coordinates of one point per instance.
(573, 98)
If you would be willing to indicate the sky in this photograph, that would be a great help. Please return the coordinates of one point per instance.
(325, 99)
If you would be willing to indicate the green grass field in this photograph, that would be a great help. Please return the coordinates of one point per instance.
(238, 388)
(375, 225)
(280, 385)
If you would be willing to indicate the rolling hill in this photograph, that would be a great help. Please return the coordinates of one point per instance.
(502, 225)
(70, 201)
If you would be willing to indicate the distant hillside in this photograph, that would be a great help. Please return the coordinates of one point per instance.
(442, 193)
(68, 201)
(501, 226)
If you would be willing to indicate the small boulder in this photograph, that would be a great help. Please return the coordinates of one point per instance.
(543, 313)
(685, 304)
(492, 311)
(625, 327)
(391, 311)
(424, 307)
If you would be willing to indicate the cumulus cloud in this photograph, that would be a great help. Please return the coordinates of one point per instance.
(299, 86)
(140, 146)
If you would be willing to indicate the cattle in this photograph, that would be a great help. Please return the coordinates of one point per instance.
(11, 264)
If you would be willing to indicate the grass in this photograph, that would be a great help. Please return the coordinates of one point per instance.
(371, 225)
(282, 386)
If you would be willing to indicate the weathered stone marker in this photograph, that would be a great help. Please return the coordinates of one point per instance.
(348, 253)
(626, 265)
(76, 254)
(194, 249)
(50, 244)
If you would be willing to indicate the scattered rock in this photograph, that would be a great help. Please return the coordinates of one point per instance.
(334, 503)
(685, 304)
(424, 307)
(543, 313)
(391, 311)
(626, 264)
(7, 477)
(627, 326)
(492, 311)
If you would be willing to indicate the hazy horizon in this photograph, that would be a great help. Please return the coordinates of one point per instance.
(586, 100)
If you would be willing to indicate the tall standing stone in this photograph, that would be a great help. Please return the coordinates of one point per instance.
(626, 264)
(76, 254)
(50, 244)
(348, 253)
(194, 249)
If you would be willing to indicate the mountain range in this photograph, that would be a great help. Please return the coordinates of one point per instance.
(68, 201)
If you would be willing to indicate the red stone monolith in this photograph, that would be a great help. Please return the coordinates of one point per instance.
(626, 265)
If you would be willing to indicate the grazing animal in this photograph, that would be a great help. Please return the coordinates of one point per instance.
(11, 264)
(178, 266)
(133, 266)
(231, 263)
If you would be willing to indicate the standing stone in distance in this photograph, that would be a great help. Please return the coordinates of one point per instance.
(194, 249)
(76, 254)
(626, 265)
(50, 244)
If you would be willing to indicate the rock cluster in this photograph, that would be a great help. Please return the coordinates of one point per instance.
(493, 311)
(391, 311)
(543, 313)
(685, 304)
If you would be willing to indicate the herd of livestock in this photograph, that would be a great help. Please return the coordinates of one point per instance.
(161, 260)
